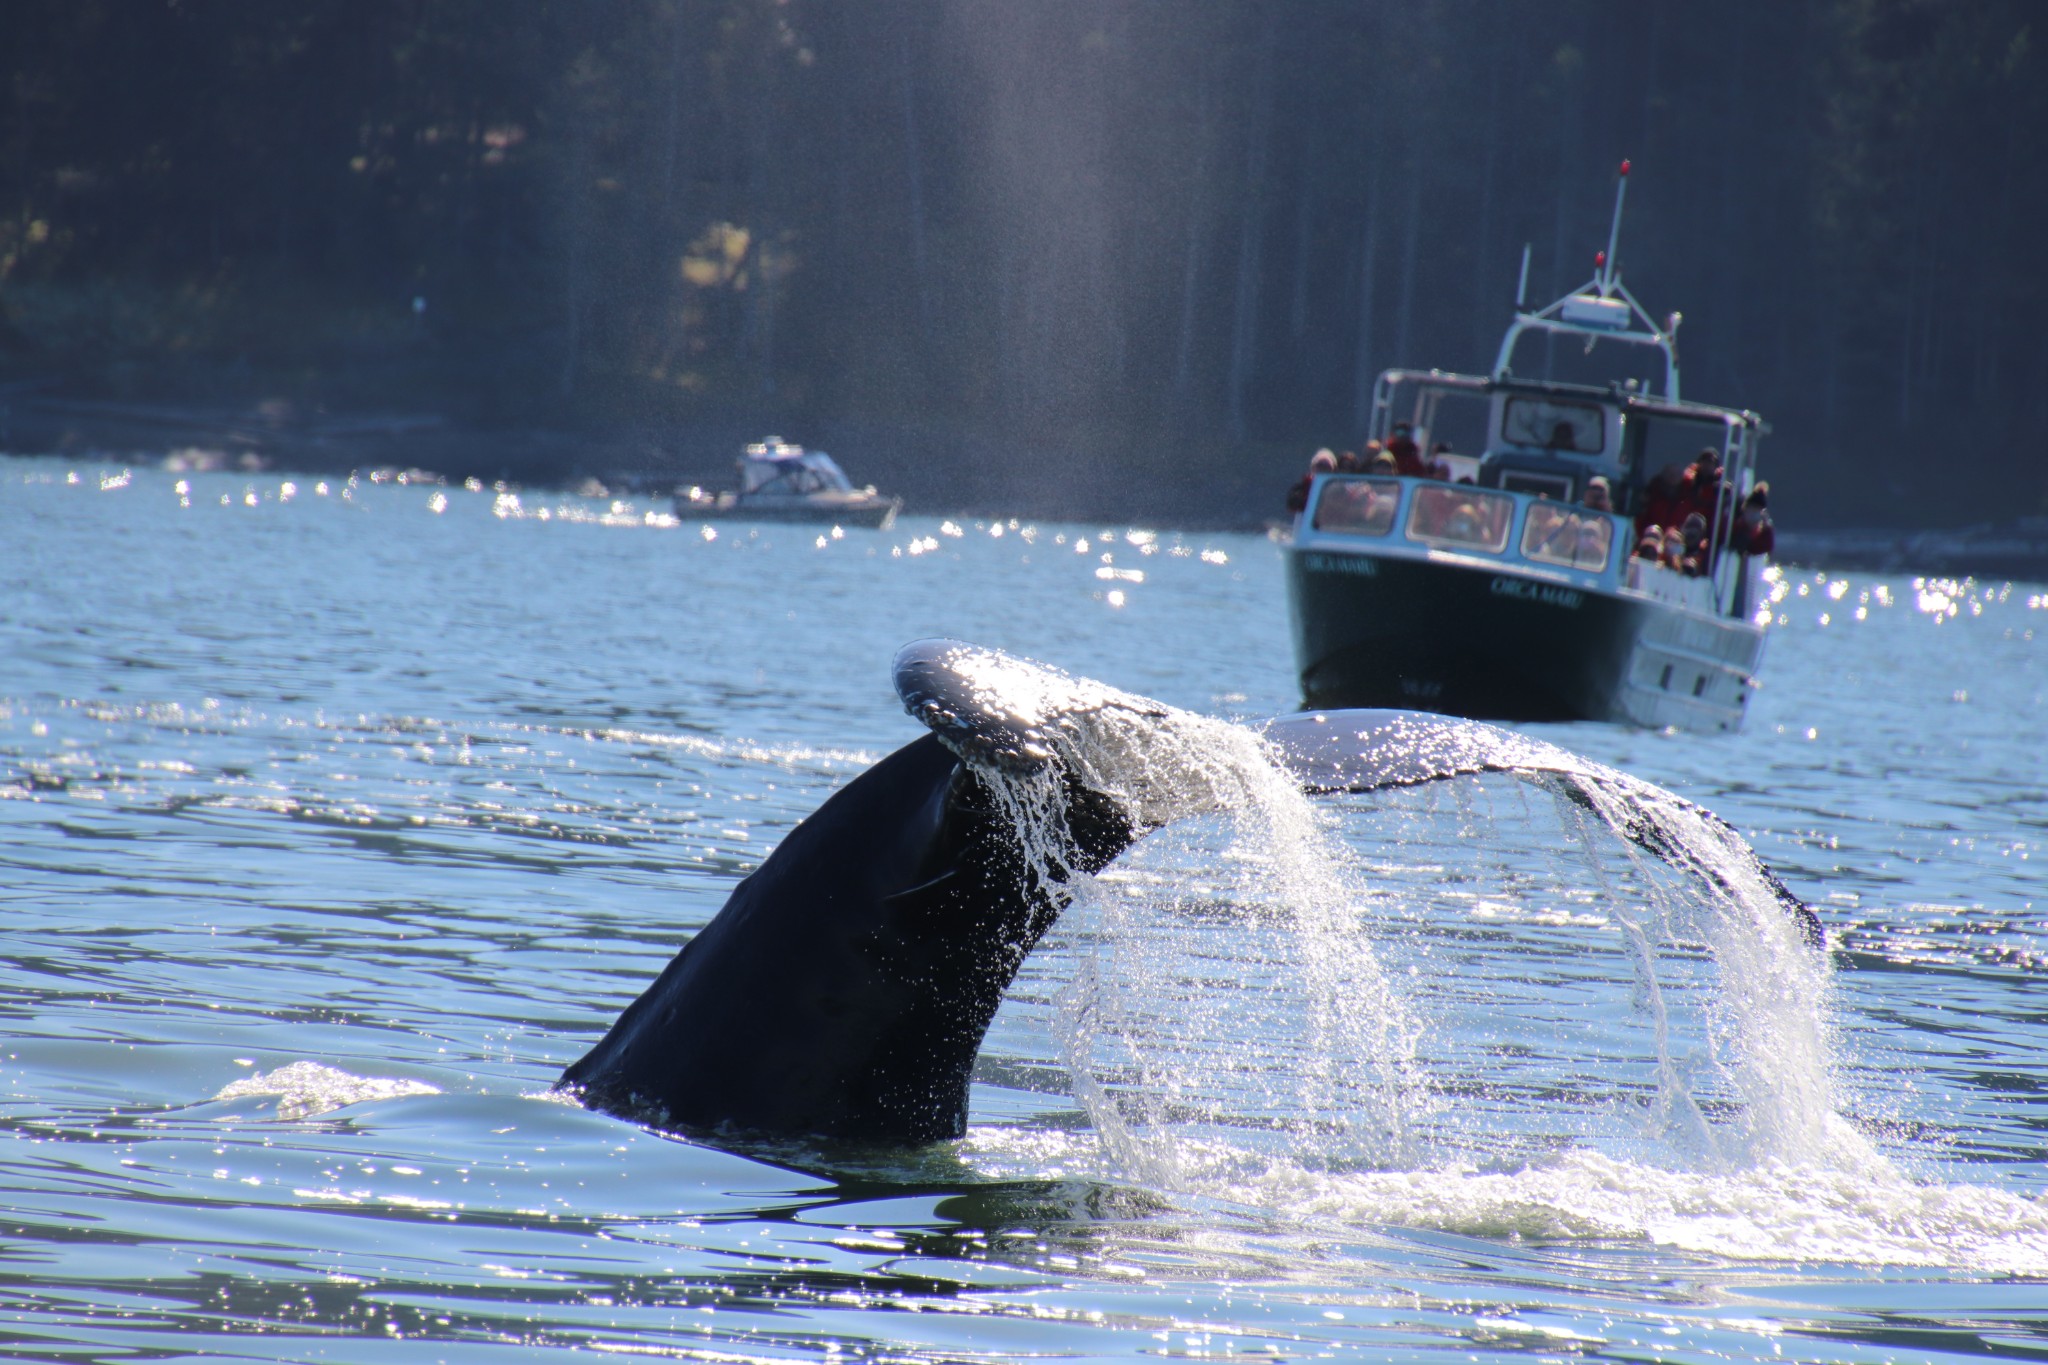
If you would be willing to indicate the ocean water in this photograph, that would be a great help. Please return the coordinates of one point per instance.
(336, 817)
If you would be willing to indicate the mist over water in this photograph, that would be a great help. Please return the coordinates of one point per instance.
(335, 822)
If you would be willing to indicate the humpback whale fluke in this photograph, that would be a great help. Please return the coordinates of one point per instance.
(1364, 750)
(845, 987)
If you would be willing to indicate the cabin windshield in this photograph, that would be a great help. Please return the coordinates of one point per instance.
(1461, 516)
(1358, 507)
(1572, 537)
(1546, 424)
(808, 472)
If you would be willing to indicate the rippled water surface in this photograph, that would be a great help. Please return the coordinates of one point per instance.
(336, 818)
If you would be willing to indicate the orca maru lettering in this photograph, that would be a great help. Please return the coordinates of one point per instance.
(1568, 598)
(1350, 564)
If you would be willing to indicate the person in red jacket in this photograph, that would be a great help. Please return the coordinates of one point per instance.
(1662, 504)
(1407, 455)
(1700, 489)
(1754, 534)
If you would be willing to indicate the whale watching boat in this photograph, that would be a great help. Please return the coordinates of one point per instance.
(784, 482)
(1492, 590)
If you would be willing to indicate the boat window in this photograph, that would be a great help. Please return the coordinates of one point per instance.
(1562, 535)
(1358, 507)
(1461, 516)
(1527, 481)
(1546, 424)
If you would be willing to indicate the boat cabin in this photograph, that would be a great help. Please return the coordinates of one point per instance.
(775, 468)
(1551, 439)
(1488, 581)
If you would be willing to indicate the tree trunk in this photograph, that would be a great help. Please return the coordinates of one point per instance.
(1410, 246)
(1304, 230)
(913, 158)
(1482, 305)
(1251, 234)
(1363, 373)
(1192, 252)
(578, 225)
(671, 145)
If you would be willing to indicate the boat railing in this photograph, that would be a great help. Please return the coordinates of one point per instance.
(1666, 584)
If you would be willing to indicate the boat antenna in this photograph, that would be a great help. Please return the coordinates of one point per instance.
(1600, 309)
(1608, 260)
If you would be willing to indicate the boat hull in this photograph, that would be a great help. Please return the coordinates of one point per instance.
(1492, 642)
(876, 514)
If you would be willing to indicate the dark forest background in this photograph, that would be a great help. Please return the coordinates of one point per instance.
(1142, 254)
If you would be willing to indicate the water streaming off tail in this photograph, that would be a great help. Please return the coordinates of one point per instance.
(1273, 952)
(1481, 1004)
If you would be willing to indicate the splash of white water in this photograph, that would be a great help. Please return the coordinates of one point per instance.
(1315, 977)
(1769, 1016)
(1233, 1033)
(308, 1089)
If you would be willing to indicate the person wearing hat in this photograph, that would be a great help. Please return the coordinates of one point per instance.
(1324, 461)
(1358, 461)
(1599, 494)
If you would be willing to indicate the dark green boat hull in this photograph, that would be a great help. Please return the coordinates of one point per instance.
(1465, 639)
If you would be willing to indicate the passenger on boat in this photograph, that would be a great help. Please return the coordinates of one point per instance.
(1322, 462)
(1596, 538)
(1385, 463)
(1357, 506)
(1693, 534)
(1674, 549)
(1407, 455)
(1561, 437)
(1753, 533)
(1552, 534)
(1701, 489)
(1439, 467)
(1465, 524)
(1599, 494)
(1660, 506)
(1651, 546)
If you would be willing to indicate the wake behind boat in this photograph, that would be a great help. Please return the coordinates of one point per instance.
(784, 482)
(1522, 584)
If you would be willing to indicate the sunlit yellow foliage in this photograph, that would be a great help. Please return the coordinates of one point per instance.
(718, 258)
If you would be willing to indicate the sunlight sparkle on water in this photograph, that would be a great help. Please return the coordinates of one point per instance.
(425, 801)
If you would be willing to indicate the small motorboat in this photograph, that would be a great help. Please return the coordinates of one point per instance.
(780, 481)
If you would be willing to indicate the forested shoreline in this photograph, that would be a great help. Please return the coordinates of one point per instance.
(1144, 252)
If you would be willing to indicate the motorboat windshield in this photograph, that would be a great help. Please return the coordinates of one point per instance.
(774, 467)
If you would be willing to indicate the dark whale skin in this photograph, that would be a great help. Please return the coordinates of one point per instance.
(845, 987)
